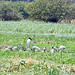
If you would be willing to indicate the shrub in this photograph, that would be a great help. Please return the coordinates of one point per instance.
(49, 11)
(9, 12)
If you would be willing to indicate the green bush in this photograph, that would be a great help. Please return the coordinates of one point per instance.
(50, 11)
(11, 11)
(46, 10)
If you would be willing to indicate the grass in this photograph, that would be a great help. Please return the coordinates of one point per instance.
(36, 27)
(41, 41)
(29, 63)
(34, 62)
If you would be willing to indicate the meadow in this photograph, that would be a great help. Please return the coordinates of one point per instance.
(13, 33)
(36, 27)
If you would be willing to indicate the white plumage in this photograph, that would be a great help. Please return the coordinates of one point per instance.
(54, 48)
(35, 48)
(14, 48)
(28, 42)
(44, 49)
(62, 47)
(28, 49)
(52, 51)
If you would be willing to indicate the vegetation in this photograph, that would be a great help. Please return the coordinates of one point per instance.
(15, 62)
(14, 55)
(36, 27)
(49, 11)
(53, 11)
(12, 11)
(18, 0)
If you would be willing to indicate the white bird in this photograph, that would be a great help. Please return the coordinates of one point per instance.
(61, 48)
(54, 48)
(52, 51)
(28, 42)
(20, 50)
(38, 48)
(44, 49)
(28, 49)
(14, 48)
(8, 48)
(35, 48)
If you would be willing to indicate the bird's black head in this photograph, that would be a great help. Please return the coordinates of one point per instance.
(30, 38)
(52, 47)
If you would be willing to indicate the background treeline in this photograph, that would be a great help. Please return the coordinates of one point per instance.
(35, 0)
(46, 10)
(18, 0)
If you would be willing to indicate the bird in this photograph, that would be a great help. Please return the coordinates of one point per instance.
(38, 48)
(54, 48)
(28, 49)
(52, 51)
(62, 48)
(7, 48)
(15, 48)
(35, 48)
(29, 41)
(44, 49)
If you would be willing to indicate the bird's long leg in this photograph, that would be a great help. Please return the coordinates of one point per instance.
(28, 45)
(44, 50)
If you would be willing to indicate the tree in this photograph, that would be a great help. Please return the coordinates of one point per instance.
(47, 10)
(8, 12)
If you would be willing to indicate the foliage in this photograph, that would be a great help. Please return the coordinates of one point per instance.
(49, 11)
(36, 63)
(12, 11)
(18, 0)
(30, 63)
(36, 27)
(9, 12)
(20, 6)
(55, 34)
(46, 10)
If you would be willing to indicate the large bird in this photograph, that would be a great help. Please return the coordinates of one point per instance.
(62, 48)
(54, 49)
(44, 49)
(28, 42)
(35, 48)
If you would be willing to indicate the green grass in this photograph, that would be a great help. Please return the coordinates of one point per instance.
(38, 63)
(16, 32)
(13, 40)
(36, 27)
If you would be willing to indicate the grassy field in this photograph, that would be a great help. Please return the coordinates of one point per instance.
(13, 33)
(36, 27)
